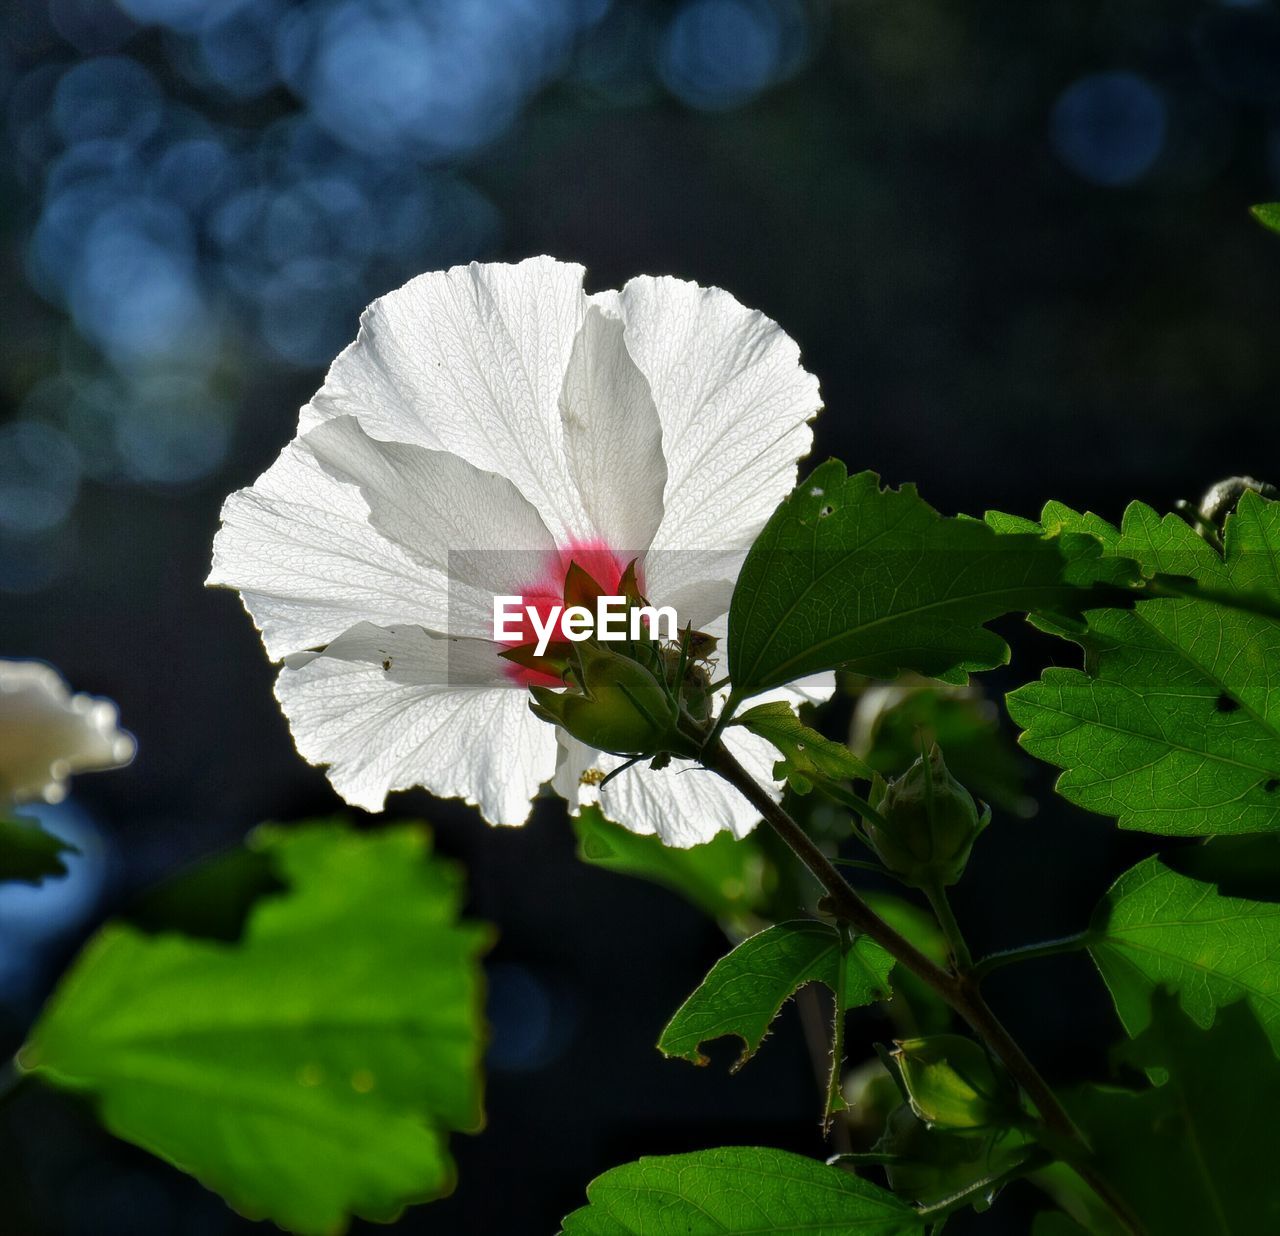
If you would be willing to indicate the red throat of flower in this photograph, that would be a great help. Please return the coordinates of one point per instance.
(578, 574)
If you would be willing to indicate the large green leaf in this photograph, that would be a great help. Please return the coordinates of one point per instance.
(310, 1071)
(28, 854)
(725, 877)
(737, 1191)
(1157, 927)
(849, 575)
(1195, 1154)
(1174, 724)
(745, 989)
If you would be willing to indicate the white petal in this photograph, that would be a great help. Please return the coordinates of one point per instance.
(698, 583)
(471, 360)
(683, 804)
(734, 404)
(388, 709)
(473, 526)
(613, 437)
(299, 545)
(47, 733)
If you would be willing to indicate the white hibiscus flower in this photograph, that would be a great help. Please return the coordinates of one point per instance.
(490, 425)
(47, 734)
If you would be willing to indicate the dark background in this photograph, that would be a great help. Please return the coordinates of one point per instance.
(1012, 241)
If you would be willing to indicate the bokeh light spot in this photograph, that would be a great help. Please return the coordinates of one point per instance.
(720, 54)
(39, 477)
(108, 96)
(1109, 128)
(171, 431)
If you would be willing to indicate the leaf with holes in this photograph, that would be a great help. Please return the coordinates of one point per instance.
(735, 1191)
(1173, 725)
(847, 574)
(1158, 928)
(745, 989)
(311, 1071)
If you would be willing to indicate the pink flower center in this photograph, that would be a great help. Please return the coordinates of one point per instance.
(604, 565)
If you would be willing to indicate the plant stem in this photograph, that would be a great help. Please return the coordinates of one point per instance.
(942, 911)
(959, 988)
(1030, 952)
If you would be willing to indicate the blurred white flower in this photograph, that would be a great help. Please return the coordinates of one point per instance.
(489, 425)
(47, 734)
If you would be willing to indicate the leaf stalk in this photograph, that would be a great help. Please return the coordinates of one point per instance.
(1032, 952)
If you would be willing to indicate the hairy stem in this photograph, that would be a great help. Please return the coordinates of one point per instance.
(959, 988)
(1031, 952)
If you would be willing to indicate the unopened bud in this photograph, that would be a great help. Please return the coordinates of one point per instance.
(953, 1084)
(928, 823)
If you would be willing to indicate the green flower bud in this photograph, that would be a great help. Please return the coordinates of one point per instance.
(614, 704)
(928, 823)
(953, 1084)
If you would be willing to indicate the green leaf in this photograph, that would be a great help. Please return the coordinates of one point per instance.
(808, 759)
(1196, 1153)
(310, 1072)
(849, 575)
(1174, 724)
(736, 1191)
(724, 877)
(745, 989)
(28, 854)
(1268, 214)
(1156, 927)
